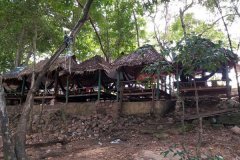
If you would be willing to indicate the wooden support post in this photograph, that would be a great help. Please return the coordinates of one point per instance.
(228, 84)
(117, 86)
(56, 83)
(170, 85)
(153, 98)
(121, 99)
(99, 84)
(165, 84)
(23, 89)
(158, 78)
(67, 90)
(23, 86)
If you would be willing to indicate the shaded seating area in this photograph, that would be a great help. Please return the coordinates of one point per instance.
(130, 67)
(48, 88)
(208, 82)
(15, 87)
(95, 79)
(209, 88)
(89, 81)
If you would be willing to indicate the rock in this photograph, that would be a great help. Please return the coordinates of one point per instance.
(151, 155)
(159, 127)
(203, 156)
(170, 120)
(161, 135)
(235, 130)
(228, 104)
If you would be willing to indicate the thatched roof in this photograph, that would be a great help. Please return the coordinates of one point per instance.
(60, 63)
(142, 56)
(93, 64)
(13, 74)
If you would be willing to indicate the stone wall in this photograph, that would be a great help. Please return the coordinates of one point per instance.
(104, 108)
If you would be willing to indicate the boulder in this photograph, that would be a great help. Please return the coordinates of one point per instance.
(235, 130)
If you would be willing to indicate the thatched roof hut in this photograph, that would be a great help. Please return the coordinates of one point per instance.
(142, 56)
(62, 63)
(13, 74)
(87, 72)
(11, 80)
(132, 64)
(91, 65)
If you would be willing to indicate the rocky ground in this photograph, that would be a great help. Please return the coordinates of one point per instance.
(103, 137)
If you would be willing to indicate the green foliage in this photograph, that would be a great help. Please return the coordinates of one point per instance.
(185, 155)
(113, 19)
(116, 25)
(194, 26)
(19, 17)
(196, 53)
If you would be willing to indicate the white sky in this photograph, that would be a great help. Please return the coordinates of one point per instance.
(200, 13)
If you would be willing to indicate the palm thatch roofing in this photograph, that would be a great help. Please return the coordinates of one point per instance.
(87, 72)
(13, 74)
(91, 65)
(144, 55)
(62, 63)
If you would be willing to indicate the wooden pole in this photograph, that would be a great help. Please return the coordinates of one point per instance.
(158, 77)
(23, 86)
(99, 84)
(67, 90)
(118, 83)
(121, 98)
(56, 84)
(170, 85)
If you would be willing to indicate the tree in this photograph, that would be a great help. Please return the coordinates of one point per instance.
(20, 137)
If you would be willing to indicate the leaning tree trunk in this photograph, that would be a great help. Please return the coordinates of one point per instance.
(22, 125)
(8, 148)
(20, 150)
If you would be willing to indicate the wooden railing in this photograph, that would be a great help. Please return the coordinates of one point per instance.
(212, 83)
(141, 91)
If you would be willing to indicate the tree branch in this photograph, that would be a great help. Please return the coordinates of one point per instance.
(96, 32)
(181, 13)
(211, 26)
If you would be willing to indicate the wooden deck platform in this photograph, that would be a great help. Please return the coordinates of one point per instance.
(204, 91)
(86, 97)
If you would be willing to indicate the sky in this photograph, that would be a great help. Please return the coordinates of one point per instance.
(200, 13)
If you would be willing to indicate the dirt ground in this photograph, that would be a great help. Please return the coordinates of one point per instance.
(144, 143)
(143, 137)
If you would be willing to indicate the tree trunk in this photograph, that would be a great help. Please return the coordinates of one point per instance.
(136, 27)
(200, 129)
(217, 5)
(8, 148)
(19, 49)
(28, 57)
(22, 126)
(181, 13)
(24, 122)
